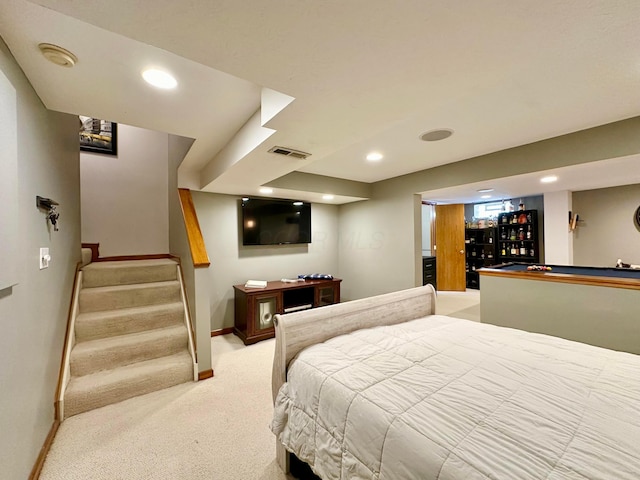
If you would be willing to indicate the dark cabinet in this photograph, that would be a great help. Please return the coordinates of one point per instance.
(429, 271)
(518, 237)
(255, 307)
(480, 251)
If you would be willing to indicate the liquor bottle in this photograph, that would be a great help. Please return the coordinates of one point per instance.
(503, 252)
(529, 232)
(532, 252)
(521, 206)
(503, 233)
(529, 217)
(521, 234)
(512, 234)
(523, 250)
(513, 250)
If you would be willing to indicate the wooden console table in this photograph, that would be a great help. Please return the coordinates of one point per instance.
(255, 307)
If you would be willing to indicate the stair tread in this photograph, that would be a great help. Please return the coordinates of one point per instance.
(128, 339)
(129, 263)
(103, 314)
(106, 378)
(134, 286)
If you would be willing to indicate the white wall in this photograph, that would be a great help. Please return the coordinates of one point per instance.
(125, 206)
(426, 230)
(607, 230)
(233, 264)
(558, 240)
(33, 313)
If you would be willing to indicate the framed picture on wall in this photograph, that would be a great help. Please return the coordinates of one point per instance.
(98, 136)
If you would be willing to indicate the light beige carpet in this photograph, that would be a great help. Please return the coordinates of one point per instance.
(215, 429)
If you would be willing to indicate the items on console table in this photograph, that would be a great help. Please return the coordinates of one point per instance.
(255, 307)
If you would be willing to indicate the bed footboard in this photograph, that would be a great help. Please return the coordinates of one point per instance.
(296, 331)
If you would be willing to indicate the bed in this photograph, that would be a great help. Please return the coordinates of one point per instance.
(383, 388)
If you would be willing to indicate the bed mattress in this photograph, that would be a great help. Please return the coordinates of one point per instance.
(450, 399)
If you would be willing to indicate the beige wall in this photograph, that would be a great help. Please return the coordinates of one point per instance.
(233, 264)
(607, 231)
(124, 198)
(33, 313)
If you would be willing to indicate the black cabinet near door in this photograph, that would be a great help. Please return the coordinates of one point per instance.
(429, 271)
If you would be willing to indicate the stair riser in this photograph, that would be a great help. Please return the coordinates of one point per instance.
(91, 301)
(120, 355)
(124, 324)
(78, 402)
(128, 275)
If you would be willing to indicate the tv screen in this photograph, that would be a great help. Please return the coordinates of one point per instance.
(267, 221)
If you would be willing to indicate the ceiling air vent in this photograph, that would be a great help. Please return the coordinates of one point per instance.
(289, 152)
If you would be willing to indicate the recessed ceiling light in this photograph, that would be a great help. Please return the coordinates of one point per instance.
(485, 190)
(298, 204)
(436, 135)
(159, 78)
(245, 199)
(549, 179)
(485, 196)
(374, 156)
(266, 190)
(327, 197)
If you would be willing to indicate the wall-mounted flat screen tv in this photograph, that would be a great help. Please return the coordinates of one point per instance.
(267, 221)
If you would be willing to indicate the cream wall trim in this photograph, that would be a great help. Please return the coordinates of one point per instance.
(188, 322)
(71, 341)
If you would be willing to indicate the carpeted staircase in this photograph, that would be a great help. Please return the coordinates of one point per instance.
(130, 334)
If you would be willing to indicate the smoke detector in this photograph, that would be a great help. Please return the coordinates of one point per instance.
(58, 55)
(289, 152)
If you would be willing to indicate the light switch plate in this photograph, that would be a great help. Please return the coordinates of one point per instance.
(44, 258)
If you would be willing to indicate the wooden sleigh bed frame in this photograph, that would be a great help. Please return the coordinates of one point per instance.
(296, 331)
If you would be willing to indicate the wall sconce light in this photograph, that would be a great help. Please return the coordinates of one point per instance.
(50, 206)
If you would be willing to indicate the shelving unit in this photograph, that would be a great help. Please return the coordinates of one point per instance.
(518, 237)
(480, 251)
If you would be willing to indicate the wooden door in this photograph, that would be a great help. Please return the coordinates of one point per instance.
(450, 256)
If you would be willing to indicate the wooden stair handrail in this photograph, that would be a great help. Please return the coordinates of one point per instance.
(194, 234)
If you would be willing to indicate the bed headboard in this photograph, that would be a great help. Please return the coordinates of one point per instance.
(298, 330)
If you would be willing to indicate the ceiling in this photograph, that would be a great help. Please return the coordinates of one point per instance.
(341, 79)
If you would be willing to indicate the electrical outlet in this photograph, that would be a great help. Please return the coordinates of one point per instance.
(44, 258)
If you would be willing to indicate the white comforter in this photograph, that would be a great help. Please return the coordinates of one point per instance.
(443, 398)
